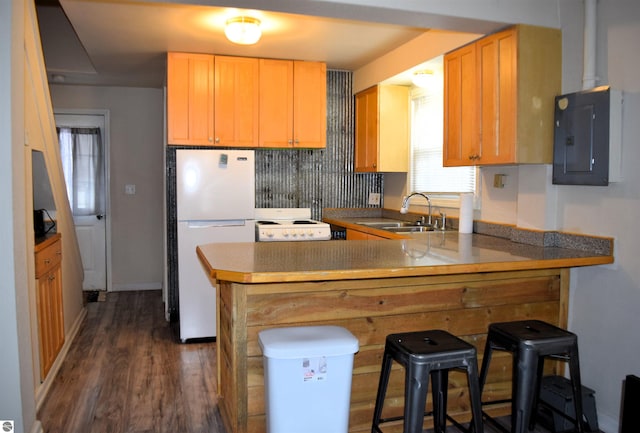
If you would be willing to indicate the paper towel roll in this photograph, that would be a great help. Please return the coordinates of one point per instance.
(466, 213)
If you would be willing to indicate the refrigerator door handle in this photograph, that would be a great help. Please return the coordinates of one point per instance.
(209, 224)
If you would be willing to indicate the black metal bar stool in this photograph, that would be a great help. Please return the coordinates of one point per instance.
(530, 342)
(423, 354)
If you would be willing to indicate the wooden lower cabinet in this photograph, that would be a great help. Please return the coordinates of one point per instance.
(355, 235)
(49, 302)
(463, 304)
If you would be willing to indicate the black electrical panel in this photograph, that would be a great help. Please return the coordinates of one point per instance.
(581, 138)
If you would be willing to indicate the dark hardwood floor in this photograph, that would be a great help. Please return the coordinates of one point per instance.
(126, 372)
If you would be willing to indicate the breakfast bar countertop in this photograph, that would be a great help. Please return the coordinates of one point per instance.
(457, 282)
(433, 253)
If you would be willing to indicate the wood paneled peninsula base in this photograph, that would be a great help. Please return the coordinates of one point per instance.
(459, 283)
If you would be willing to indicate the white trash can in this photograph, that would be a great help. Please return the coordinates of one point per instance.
(307, 378)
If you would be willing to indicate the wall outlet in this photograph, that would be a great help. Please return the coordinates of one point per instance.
(130, 189)
(374, 198)
(498, 180)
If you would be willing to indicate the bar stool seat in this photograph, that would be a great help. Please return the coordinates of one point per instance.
(530, 342)
(424, 354)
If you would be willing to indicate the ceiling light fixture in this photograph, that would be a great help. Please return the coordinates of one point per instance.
(243, 30)
(423, 79)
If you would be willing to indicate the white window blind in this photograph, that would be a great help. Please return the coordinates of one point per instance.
(427, 173)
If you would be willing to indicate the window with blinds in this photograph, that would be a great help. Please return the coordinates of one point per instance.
(426, 171)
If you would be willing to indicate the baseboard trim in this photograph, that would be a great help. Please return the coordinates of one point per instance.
(36, 427)
(45, 386)
(126, 287)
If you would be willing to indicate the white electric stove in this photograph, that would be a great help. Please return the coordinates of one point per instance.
(289, 224)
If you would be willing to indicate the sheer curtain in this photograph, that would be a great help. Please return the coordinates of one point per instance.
(81, 151)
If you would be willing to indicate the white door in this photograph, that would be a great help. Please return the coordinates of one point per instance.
(91, 234)
(91, 228)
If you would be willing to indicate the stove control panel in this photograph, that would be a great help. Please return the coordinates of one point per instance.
(271, 233)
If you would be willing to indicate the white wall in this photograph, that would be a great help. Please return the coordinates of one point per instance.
(136, 157)
(17, 399)
(605, 300)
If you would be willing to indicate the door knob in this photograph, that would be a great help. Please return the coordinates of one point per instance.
(100, 216)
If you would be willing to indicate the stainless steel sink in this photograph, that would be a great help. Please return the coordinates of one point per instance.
(409, 229)
(381, 224)
(397, 226)
(388, 224)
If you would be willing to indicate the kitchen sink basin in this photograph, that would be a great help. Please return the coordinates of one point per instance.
(388, 224)
(398, 226)
(381, 224)
(409, 229)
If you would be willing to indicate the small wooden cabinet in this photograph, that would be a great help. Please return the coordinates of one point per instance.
(293, 104)
(236, 108)
(382, 129)
(48, 258)
(499, 97)
(190, 98)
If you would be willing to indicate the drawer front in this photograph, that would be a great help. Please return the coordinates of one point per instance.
(48, 258)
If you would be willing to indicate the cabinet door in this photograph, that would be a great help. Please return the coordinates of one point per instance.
(497, 66)
(366, 146)
(309, 104)
(276, 103)
(355, 235)
(236, 101)
(461, 140)
(50, 318)
(393, 129)
(190, 99)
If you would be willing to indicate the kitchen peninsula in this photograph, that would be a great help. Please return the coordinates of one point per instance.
(435, 280)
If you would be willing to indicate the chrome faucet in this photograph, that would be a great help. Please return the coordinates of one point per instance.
(405, 205)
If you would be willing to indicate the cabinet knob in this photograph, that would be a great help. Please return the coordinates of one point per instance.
(52, 277)
(290, 141)
(217, 139)
(297, 141)
(47, 261)
(210, 139)
(375, 165)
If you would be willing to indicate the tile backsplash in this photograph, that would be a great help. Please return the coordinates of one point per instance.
(319, 178)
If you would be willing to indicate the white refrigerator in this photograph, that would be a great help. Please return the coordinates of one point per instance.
(215, 193)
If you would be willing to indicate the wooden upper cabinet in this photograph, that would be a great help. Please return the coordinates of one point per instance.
(245, 102)
(276, 103)
(309, 104)
(499, 96)
(460, 107)
(293, 104)
(190, 99)
(382, 129)
(236, 101)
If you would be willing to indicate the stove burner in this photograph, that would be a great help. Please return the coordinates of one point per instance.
(267, 223)
(304, 222)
